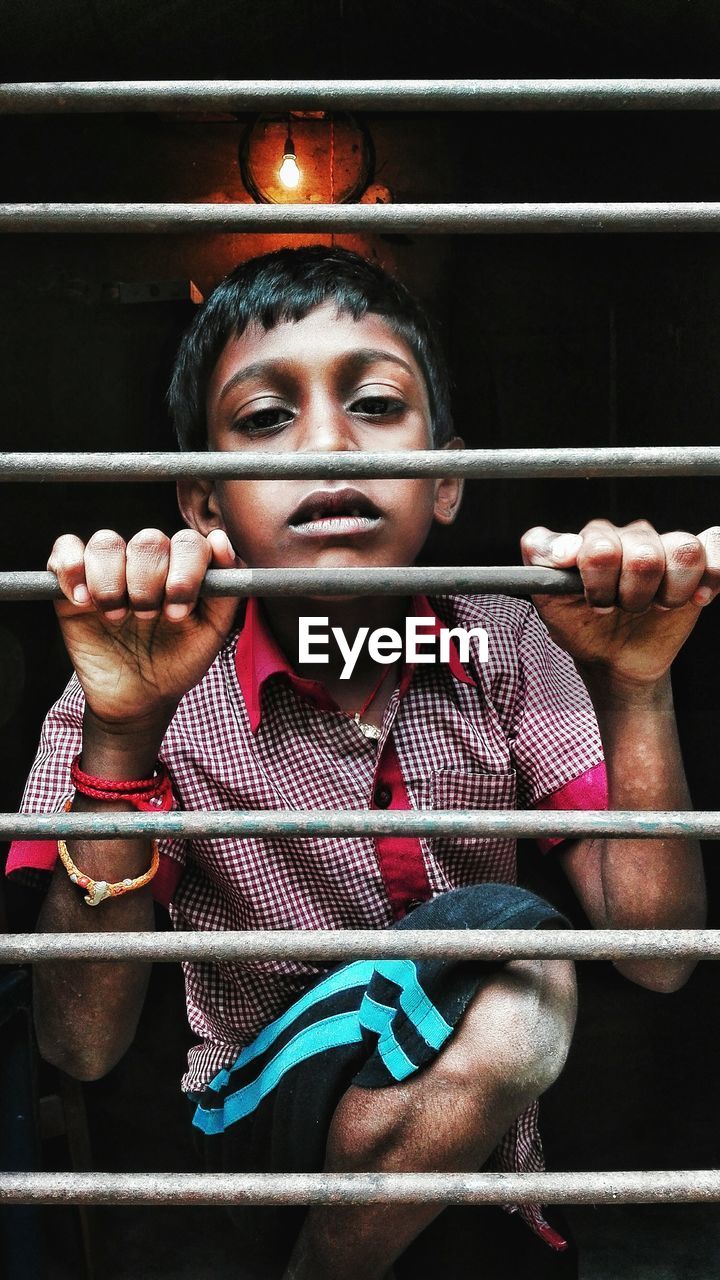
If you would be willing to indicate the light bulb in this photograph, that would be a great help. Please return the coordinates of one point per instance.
(289, 173)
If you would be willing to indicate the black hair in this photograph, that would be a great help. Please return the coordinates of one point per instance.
(284, 286)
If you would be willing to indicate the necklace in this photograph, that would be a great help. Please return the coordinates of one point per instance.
(370, 730)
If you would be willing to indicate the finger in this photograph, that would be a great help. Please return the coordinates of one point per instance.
(643, 566)
(190, 555)
(148, 557)
(710, 582)
(684, 569)
(540, 546)
(67, 562)
(105, 573)
(224, 555)
(600, 562)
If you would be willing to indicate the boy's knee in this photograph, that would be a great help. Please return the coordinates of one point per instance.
(543, 1022)
(518, 1029)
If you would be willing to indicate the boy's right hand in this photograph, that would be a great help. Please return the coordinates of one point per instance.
(134, 626)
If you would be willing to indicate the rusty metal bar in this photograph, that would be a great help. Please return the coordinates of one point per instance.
(679, 1186)
(332, 946)
(361, 95)
(331, 823)
(311, 823)
(476, 464)
(513, 581)
(440, 219)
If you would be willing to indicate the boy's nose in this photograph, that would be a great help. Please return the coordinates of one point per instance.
(327, 429)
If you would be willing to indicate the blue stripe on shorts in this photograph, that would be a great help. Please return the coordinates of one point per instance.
(275, 1054)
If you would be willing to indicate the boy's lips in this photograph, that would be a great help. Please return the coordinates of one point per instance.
(335, 512)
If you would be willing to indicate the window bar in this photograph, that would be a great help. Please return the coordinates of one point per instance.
(426, 219)
(473, 464)
(644, 824)
(361, 95)
(681, 1186)
(512, 580)
(330, 946)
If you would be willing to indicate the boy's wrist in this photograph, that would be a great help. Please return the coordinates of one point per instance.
(609, 690)
(122, 751)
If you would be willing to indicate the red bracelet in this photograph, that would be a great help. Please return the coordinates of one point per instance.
(154, 794)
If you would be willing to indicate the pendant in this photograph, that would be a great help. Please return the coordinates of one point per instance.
(368, 730)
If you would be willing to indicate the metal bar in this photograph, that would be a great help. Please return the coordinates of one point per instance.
(477, 464)
(680, 1186)
(361, 95)
(331, 946)
(331, 823)
(514, 581)
(441, 219)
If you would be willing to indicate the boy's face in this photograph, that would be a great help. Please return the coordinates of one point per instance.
(324, 383)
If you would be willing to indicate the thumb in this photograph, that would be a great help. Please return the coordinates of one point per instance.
(223, 554)
(540, 546)
(222, 609)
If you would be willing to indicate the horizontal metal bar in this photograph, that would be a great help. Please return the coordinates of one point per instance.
(441, 219)
(680, 1186)
(331, 823)
(361, 95)
(476, 464)
(330, 946)
(513, 580)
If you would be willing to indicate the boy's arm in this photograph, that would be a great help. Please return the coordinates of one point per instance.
(86, 1013)
(139, 638)
(637, 884)
(643, 595)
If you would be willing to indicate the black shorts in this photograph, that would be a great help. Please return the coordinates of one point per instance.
(366, 1023)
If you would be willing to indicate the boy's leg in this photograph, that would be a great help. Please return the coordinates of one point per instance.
(509, 1046)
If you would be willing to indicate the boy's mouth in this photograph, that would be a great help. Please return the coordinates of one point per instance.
(337, 512)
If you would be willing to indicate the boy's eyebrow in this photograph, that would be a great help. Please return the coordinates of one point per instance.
(359, 360)
(373, 355)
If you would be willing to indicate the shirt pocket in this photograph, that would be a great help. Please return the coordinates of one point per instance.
(472, 859)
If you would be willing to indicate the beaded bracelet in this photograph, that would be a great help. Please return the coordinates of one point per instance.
(99, 890)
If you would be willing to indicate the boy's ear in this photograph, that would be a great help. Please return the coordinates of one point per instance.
(199, 506)
(449, 490)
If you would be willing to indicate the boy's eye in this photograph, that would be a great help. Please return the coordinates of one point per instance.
(263, 420)
(378, 406)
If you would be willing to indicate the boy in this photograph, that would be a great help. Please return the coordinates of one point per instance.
(307, 350)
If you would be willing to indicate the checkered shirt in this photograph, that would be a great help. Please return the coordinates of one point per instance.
(516, 731)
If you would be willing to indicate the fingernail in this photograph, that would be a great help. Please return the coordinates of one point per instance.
(80, 594)
(703, 595)
(564, 546)
(176, 612)
(115, 615)
(603, 608)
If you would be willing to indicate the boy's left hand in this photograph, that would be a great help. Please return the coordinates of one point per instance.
(644, 592)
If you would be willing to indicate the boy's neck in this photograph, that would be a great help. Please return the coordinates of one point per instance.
(365, 611)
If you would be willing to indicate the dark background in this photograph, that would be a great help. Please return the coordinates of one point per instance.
(552, 340)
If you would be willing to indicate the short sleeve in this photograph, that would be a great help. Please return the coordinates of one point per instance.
(48, 788)
(555, 740)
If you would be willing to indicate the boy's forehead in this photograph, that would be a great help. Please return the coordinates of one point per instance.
(324, 335)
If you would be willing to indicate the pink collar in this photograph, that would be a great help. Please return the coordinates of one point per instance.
(258, 657)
